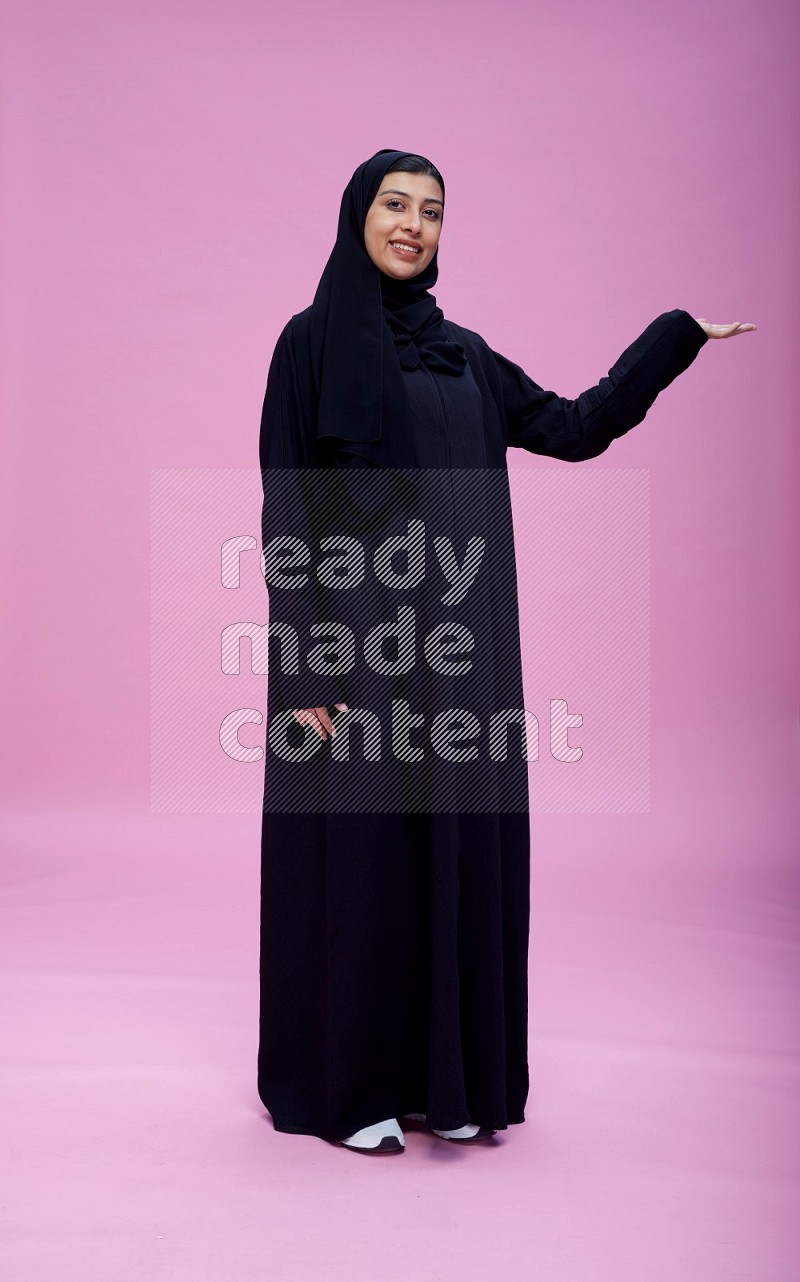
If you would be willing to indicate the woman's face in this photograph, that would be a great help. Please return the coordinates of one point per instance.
(407, 209)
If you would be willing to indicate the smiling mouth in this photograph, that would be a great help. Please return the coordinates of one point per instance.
(405, 249)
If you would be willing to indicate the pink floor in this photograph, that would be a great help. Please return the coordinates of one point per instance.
(661, 1138)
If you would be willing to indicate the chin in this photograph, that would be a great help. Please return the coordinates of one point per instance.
(401, 275)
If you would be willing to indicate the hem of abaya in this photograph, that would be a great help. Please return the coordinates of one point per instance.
(290, 1128)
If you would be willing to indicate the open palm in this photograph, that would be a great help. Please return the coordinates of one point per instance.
(724, 331)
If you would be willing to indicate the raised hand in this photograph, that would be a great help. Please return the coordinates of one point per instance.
(318, 718)
(724, 331)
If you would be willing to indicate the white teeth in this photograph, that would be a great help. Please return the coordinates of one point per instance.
(406, 248)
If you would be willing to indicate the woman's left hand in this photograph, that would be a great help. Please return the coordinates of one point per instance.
(724, 331)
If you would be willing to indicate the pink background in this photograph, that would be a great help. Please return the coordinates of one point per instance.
(172, 182)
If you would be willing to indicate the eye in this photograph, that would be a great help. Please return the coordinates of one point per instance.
(395, 201)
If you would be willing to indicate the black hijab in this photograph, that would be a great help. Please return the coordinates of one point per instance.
(365, 327)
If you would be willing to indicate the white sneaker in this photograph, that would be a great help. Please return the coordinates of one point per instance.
(381, 1137)
(467, 1132)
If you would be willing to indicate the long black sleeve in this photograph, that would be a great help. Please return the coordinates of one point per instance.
(544, 423)
(297, 504)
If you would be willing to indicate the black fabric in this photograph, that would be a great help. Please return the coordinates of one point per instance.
(394, 947)
(417, 325)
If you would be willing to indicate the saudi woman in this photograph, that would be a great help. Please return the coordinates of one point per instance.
(395, 849)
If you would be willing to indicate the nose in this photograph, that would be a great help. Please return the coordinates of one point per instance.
(413, 225)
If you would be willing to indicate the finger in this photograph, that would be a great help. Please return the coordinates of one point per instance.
(313, 720)
(739, 328)
(324, 717)
(308, 717)
(732, 327)
(341, 706)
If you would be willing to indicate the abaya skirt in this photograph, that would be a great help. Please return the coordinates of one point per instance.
(394, 970)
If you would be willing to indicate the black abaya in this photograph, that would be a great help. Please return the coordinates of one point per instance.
(394, 946)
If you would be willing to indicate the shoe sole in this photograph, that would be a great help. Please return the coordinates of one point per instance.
(389, 1144)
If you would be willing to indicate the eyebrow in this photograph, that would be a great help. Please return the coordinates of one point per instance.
(394, 192)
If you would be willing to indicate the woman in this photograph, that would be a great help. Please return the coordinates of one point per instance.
(395, 898)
